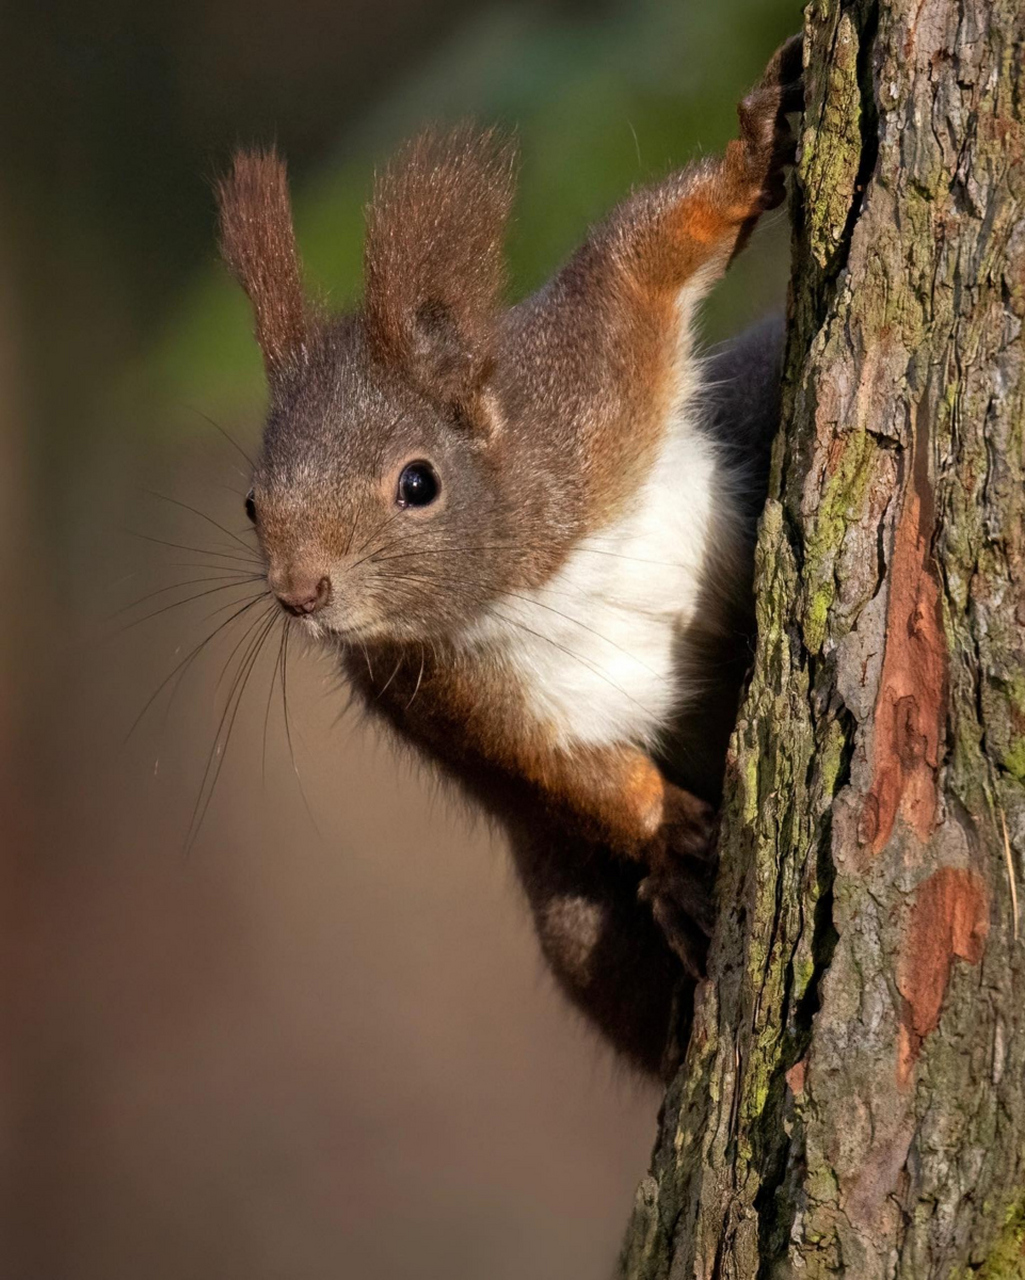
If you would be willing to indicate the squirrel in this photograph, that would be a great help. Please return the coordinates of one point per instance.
(529, 531)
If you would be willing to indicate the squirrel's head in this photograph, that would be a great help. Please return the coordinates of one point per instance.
(380, 497)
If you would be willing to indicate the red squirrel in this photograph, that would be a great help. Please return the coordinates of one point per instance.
(528, 531)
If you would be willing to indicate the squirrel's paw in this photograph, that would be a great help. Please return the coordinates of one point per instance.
(769, 141)
(679, 885)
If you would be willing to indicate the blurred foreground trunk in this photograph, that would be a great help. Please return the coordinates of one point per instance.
(853, 1099)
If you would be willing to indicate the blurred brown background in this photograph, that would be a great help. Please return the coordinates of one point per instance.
(319, 1042)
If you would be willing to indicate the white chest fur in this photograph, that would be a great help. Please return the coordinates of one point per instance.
(594, 648)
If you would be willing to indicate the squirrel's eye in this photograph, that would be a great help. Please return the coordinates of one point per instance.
(418, 485)
(251, 506)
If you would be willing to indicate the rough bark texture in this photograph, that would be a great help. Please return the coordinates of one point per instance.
(853, 1099)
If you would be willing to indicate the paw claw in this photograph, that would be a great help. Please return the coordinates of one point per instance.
(772, 146)
(688, 941)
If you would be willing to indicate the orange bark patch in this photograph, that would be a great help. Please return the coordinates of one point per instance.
(949, 917)
(911, 706)
(796, 1076)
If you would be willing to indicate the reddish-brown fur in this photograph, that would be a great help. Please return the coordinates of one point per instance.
(549, 414)
(434, 262)
(258, 244)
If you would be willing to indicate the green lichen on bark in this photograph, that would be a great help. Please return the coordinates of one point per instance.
(853, 1100)
(1006, 1260)
(832, 145)
(840, 502)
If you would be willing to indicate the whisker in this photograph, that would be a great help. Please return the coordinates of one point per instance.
(191, 564)
(187, 661)
(177, 684)
(423, 661)
(236, 576)
(375, 556)
(177, 604)
(253, 559)
(597, 634)
(230, 488)
(379, 528)
(366, 654)
(591, 551)
(256, 634)
(583, 661)
(176, 502)
(527, 600)
(288, 729)
(384, 689)
(270, 699)
(228, 661)
(217, 427)
(462, 584)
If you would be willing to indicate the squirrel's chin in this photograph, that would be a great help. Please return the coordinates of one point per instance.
(343, 634)
(353, 636)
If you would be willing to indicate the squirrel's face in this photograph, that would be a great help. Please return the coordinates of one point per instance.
(380, 499)
(380, 514)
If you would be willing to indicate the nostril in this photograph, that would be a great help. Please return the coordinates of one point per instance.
(302, 598)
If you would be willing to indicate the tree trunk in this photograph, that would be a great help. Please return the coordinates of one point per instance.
(853, 1097)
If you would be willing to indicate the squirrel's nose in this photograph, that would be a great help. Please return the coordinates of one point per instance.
(302, 593)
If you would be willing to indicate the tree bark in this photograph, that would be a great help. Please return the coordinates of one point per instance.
(853, 1097)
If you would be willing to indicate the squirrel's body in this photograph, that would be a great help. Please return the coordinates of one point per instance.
(530, 532)
(593, 646)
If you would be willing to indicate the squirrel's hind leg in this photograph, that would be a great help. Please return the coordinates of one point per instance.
(606, 950)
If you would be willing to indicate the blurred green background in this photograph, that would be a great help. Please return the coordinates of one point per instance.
(312, 1047)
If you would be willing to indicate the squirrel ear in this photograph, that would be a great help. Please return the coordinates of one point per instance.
(258, 245)
(433, 262)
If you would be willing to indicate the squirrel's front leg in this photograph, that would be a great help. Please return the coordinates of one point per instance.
(618, 795)
(686, 229)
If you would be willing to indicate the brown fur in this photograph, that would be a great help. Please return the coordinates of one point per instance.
(258, 244)
(542, 421)
(433, 261)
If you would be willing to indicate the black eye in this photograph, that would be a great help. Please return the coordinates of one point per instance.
(418, 485)
(251, 506)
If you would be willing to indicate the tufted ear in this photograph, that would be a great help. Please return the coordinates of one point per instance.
(258, 245)
(434, 262)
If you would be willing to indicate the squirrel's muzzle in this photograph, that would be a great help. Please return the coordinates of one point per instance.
(300, 591)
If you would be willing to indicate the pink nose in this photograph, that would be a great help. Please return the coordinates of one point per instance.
(303, 593)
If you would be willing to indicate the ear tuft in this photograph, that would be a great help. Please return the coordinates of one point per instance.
(434, 261)
(258, 245)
